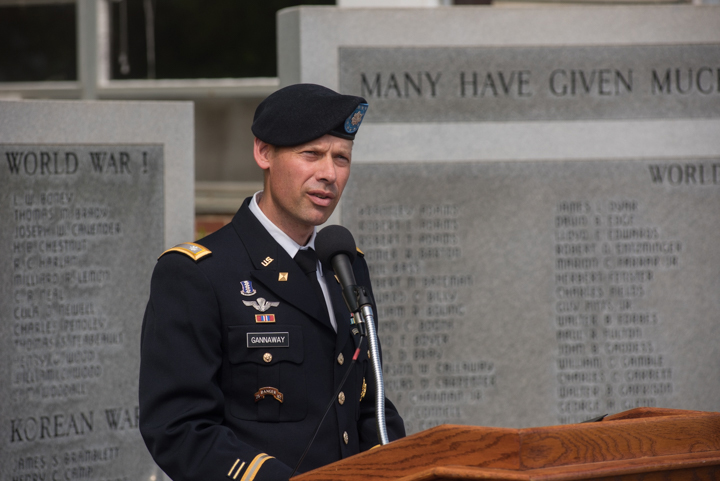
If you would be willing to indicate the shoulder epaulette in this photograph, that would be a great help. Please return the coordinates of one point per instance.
(190, 249)
(360, 252)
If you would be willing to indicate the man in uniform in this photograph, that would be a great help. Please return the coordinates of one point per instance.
(246, 337)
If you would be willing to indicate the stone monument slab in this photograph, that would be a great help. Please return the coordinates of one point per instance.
(536, 191)
(84, 217)
(542, 292)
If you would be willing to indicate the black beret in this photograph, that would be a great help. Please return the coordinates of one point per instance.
(300, 113)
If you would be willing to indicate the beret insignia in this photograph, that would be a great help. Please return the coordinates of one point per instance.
(190, 249)
(352, 123)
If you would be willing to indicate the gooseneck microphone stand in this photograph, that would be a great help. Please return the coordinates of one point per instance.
(336, 250)
(365, 318)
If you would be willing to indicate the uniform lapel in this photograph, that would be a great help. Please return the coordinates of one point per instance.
(270, 260)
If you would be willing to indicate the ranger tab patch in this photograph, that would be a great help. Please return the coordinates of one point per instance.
(269, 391)
(268, 339)
(190, 249)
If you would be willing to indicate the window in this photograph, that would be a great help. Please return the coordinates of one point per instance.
(195, 39)
(38, 43)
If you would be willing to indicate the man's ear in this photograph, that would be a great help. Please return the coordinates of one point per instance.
(262, 152)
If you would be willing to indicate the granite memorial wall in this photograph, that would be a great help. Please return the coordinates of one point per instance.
(537, 205)
(572, 289)
(85, 213)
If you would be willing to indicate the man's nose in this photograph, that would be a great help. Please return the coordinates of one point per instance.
(326, 169)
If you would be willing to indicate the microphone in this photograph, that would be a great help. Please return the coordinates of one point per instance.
(335, 247)
(336, 250)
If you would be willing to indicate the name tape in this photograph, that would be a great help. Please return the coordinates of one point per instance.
(268, 339)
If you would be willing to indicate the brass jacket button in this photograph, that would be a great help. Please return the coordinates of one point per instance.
(341, 398)
(341, 359)
(346, 438)
(267, 357)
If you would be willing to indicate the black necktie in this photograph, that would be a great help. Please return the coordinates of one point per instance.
(307, 259)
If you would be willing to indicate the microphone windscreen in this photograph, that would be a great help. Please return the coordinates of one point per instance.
(334, 240)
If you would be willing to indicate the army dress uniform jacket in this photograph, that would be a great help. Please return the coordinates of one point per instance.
(239, 361)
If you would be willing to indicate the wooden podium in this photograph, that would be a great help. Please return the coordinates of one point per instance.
(641, 444)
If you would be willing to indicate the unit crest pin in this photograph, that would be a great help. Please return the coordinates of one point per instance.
(246, 288)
